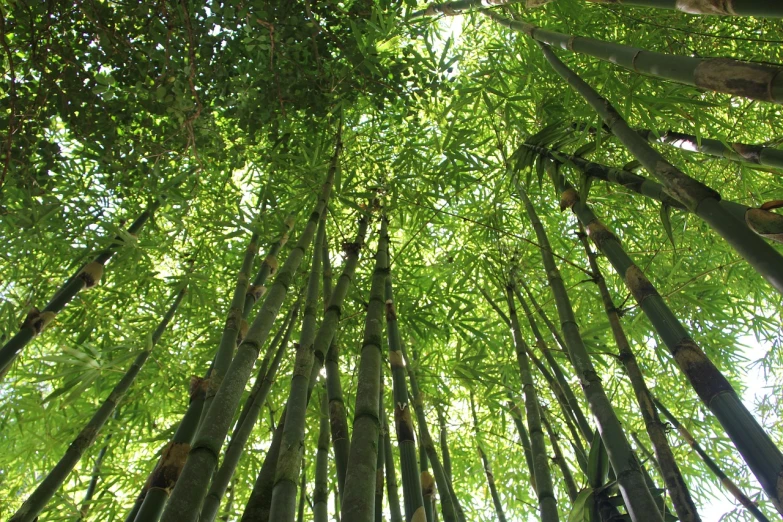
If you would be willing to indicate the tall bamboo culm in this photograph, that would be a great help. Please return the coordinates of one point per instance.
(747, 79)
(54, 480)
(321, 491)
(358, 503)
(493, 490)
(670, 471)
(87, 277)
(289, 461)
(186, 498)
(406, 435)
(524, 439)
(391, 474)
(638, 501)
(248, 418)
(697, 197)
(559, 458)
(757, 449)
(547, 502)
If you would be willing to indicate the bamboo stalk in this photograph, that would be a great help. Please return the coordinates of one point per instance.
(459, 6)
(260, 499)
(697, 197)
(38, 499)
(568, 477)
(766, 224)
(87, 277)
(391, 476)
(321, 491)
(544, 317)
(406, 435)
(670, 471)
(302, 495)
(638, 501)
(752, 80)
(247, 419)
(84, 509)
(359, 497)
(757, 449)
(192, 485)
(725, 481)
(444, 444)
(493, 490)
(760, 8)
(547, 503)
(524, 438)
(381, 458)
(448, 501)
(739, 152)
(289, 461)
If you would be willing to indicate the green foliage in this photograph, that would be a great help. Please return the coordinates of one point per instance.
(228, 109)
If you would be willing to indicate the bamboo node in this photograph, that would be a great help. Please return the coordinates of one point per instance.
(37, 321)
(705, 7)
(391, 314)
(395, 359)
(351, 248)
(256, 291)
(419, 515)
(91, 274)
(198, 386)
(638, 284)
(765, 223)
(243, 328)
(599, 233)
(271, 261)
(750, 80)
(568, 199)
(427, 485)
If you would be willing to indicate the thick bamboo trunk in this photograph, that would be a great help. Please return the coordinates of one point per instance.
(697, 197)
(38, 499)
(289, 461)
(358, 503)
(185, 501)
(381, 458)
(670, 471)
(757, 449)
(638, 501)
(260, 499)
(752, 80)
(321, 491)
(547, 502)
(406, 435)
(493, 490)
(247, 419)
(87, 277)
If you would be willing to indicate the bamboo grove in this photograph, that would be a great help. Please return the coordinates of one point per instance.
(367, 261)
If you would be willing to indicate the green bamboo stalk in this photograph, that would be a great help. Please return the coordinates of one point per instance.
(289, 461)
(427, 480)
(763, 222)
(752, 80)
(672, 477)
(568, 477)
(739, 152)
(460, 6)
(155, 493)
(336, 498)
(493, 490)
(38, 499)
(248, 419)
(559, 376)
(260, 500)
(406, 435)
(381, 458)
(228, 508)
(321, 491)
(444, 443)
(516, 416)
(302, 494)
(192, 485)
(427, 492)
(547, 503)
(96, 474)
(235, 327)
(268, 267)
(391, 476)
(544, 317)
(87, 277)
(760, 8)
(449, 503)
(358, 500)
(757, 449)
(638, 500)
(725, 481)
(697, 197)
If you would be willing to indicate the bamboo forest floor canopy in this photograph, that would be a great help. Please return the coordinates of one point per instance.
(363, 260)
